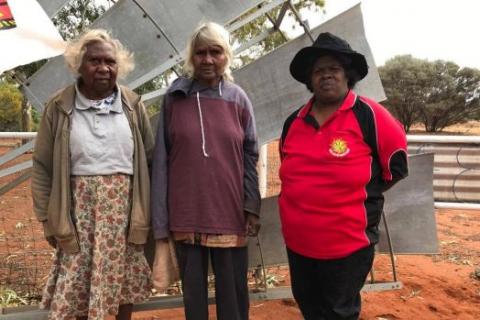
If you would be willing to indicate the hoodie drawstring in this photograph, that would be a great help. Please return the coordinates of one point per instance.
(205, 154)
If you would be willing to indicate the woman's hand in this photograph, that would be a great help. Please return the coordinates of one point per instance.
(252, 224)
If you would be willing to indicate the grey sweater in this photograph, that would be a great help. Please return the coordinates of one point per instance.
(204, 174)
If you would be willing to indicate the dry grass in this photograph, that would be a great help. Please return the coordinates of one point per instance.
(466, 128)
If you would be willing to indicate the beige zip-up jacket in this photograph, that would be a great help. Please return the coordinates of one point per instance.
(51, 169)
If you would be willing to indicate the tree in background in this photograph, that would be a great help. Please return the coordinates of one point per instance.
(10, 107)
(454, 96)
(437, 94)
(73, 19)
(262, 24)
(404, 79)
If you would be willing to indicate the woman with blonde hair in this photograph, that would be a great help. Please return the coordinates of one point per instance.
(91, 185)
(205, 157)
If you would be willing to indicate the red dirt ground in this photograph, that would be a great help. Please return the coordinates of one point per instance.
(435, 287)
(444, 286)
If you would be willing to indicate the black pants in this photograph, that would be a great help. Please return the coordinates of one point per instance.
(230, 266)
(329, 289)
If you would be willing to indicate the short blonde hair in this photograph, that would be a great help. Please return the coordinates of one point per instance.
(209, 33)
(76, 50)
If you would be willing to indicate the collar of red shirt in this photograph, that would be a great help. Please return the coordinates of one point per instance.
(348, 103)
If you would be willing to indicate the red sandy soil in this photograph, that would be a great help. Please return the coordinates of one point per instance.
(443, 286)
(434, 287)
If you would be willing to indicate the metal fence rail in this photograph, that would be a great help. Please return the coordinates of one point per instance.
(456, 175)
(456, 163)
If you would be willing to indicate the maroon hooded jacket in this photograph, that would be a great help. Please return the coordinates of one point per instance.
(204, 174)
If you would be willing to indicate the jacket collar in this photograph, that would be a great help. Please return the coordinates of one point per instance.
(66, 99)
(187, 86)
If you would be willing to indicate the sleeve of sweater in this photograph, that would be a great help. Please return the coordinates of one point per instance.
(252, 199)
(158, 198)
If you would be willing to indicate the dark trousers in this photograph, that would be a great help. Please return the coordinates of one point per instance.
(230, 266)
(329, 289)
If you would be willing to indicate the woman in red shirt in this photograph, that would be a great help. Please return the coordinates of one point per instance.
(340, 152)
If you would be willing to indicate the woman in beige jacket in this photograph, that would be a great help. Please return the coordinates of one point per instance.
(91, 185)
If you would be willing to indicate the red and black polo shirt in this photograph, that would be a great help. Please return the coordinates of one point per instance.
(333, 176)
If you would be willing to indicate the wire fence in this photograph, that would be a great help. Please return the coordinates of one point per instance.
(25, 257)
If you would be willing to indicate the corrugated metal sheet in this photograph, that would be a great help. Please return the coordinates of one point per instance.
(456, 175)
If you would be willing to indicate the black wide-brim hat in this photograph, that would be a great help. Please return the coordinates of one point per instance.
(326, 44)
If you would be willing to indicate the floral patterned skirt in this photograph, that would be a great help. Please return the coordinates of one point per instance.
(108, 271)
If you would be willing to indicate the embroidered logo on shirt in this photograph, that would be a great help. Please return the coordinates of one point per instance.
(338, 147)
